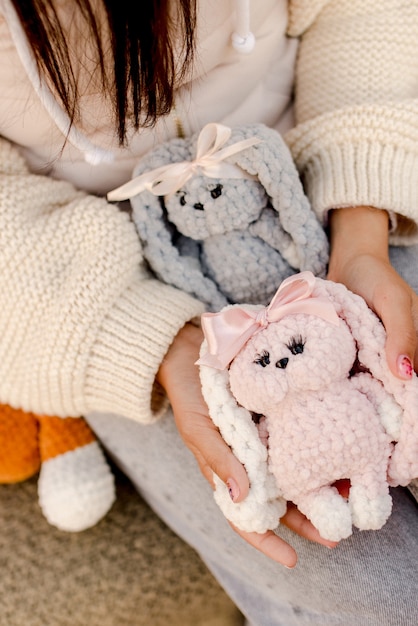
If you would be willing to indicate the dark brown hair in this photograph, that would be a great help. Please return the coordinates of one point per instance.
(135, 57)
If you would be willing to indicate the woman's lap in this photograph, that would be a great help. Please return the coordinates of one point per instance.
(370, 579)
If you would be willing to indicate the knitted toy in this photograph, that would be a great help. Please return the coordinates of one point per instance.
(222, 214)
(311, 370)
(75, 486)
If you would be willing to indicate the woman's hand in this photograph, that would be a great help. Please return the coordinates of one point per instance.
(179, 376)
(359, 259)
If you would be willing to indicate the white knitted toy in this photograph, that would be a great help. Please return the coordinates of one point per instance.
(76, 486)
(311, 370)
(222, 214)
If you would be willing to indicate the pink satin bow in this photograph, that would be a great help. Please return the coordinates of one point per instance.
(228, 331)
(210, 160)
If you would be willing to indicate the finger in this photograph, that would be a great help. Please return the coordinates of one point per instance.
(394, 308)
(215, 456)
(271, 545)
(298, 523)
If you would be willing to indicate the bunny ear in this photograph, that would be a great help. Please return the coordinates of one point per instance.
(262, 508)
(272, 162)
(365, 326)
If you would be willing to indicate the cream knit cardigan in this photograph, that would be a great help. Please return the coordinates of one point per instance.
(84, 328)
(356, 141)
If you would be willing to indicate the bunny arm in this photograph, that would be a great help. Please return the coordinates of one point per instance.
(164, 258)
(387, 408)
(245, 267)
(270, 230)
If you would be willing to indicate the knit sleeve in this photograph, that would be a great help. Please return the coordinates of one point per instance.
(83, 328)
(356, 106)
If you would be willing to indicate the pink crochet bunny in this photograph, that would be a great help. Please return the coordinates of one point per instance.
(312, 365)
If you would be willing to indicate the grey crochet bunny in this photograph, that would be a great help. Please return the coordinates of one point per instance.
(222, 215)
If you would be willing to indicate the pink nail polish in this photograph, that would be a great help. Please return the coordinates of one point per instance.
(405, 367)
(233, 489)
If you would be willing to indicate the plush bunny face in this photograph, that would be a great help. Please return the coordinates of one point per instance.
(210, 206)
(297, 354)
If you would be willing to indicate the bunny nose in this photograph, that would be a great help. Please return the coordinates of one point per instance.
(199, 206)
(282, 363)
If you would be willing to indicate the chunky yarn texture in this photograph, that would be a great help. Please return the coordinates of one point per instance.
(226, 240)
(305, 403)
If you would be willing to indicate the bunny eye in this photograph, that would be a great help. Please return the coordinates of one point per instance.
(296, 345)
(263, 359)
(215, 192)
(182, 197)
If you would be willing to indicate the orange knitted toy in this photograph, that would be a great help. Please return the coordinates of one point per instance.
(75, 487)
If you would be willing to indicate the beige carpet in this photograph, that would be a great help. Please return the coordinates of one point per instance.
(129, 570)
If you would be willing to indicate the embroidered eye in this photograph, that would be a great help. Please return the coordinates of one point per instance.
(216, 191)
(296, 345)
(263, 359)
(182, 197)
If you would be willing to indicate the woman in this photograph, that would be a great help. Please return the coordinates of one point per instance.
(87, 89)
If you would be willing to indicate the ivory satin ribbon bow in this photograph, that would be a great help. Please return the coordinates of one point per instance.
(210, 160)
(228, 331)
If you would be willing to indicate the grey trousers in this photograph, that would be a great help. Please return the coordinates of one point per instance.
(370, 579)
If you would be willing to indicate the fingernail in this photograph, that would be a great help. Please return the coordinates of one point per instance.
(405, 367)
(233, 489)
